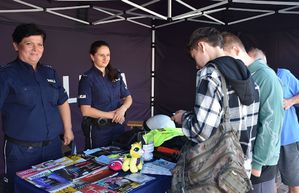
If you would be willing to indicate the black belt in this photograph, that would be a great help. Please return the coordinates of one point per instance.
(98, 121)
(103, 122)
(28, 143)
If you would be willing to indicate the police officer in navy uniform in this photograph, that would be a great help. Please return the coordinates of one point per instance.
(103, 98)
(34, 106)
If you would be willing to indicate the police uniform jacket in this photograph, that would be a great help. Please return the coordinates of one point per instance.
(29, 100)
(99, 92)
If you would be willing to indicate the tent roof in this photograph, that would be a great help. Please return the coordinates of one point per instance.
(145, 13)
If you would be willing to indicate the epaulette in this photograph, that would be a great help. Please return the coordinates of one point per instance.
(5, 66)
(118, 71)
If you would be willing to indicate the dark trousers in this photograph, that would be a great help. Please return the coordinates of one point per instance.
(102, 136)
(18, 157)
(264, 187)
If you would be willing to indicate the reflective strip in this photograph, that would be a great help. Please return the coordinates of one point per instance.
(90, 139)
(4, 152)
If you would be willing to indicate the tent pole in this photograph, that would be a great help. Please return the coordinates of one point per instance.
(169, 14)
(153, 46)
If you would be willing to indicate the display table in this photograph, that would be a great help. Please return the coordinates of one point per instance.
(88, 171)
(160, 185)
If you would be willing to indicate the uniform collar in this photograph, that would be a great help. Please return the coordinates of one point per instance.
(95, 69)
(26, 65)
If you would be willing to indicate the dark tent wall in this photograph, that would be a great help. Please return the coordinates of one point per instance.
(277, 36)
(68, 43)
(67, 50)
(175, 71)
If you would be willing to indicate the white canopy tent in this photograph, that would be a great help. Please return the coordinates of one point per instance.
(142, 12)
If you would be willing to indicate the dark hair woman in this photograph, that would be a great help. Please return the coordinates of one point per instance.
(103, 98)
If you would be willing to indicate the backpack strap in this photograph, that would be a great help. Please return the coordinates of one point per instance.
(226, 119)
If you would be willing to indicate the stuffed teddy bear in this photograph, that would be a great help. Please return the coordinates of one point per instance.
(133, 161)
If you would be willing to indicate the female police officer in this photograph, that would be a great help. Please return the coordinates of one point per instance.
(103, 99)
(33, 105)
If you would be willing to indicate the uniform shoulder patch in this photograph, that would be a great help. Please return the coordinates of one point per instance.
(51, 81)
(47, 65)
(84, 76)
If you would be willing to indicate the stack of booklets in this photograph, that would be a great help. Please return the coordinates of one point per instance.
(49, 181)
(117, 184)
(93, 177)
(55, 175)
(51, 165)
(79, 170)
(158, 167)
(81, 174)
(109, 150)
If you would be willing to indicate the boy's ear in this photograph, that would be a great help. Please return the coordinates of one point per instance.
(201, 46)
(236, 50)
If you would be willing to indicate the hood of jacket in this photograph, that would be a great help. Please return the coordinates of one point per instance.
(238, 76)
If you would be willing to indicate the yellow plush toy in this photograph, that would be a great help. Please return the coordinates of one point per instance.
(133, 161)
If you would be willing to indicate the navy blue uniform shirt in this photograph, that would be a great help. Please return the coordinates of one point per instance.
(99, 92)
(29, 100)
